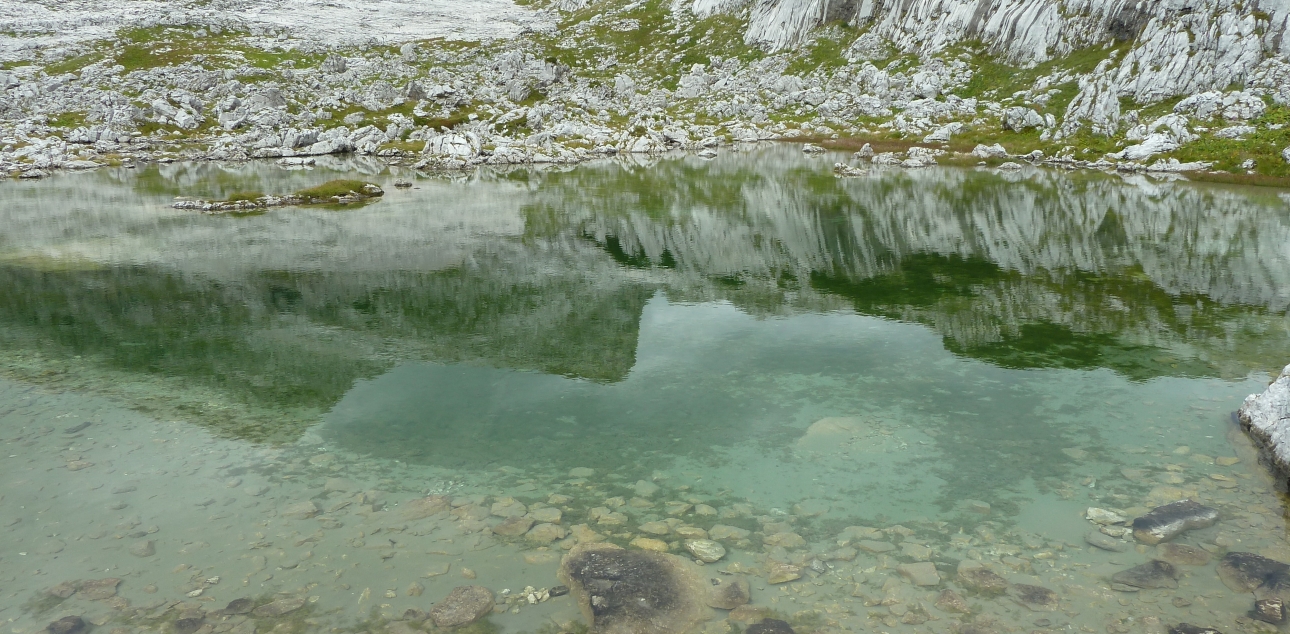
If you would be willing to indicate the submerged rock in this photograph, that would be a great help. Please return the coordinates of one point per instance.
(1153, 574)
(632, 591)
(1101, 540)
(66, 625)
(238, 606)
(1270, 610)
(1166, 522)
(1035, 597)
(463, 606)
(950, 601)
(729, 594)
(1188, 628)
(922, 573)
(770, 626)
(278, 608)
(1182, 555)
(983, 580)
(1245, 572)
(705, 550)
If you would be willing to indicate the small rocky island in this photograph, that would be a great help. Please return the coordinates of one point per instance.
(335, 192)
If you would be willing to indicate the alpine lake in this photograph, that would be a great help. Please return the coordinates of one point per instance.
(864, 390)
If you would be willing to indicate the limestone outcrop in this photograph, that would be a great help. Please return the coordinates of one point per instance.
(1266, 417)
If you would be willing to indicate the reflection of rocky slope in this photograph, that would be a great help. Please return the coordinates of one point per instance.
(978, 257)
(550, 272)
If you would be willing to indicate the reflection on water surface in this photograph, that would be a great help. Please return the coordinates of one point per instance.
(962, 361)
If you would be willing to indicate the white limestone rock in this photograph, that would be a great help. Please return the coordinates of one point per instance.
(1266, 416)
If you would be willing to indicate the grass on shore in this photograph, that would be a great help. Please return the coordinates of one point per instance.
(333, 189)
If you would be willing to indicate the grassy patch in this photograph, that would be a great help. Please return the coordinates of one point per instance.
(67, 120)
(826, 51)
(993, 78)
(333, 189)
(251, 196)
(75, 64)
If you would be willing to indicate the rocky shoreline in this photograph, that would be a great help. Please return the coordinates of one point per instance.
(584, 80)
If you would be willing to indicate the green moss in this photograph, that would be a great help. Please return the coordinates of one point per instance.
(994, 78)
(74, 64)
(333, 189)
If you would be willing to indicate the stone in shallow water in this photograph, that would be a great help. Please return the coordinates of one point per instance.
(98, 589)
(463, 606)
(705, 550)
(1270, 610)
(62, 590)
(513, 526)
(622, 590)
(981, 579)
(922, 573)
(546, 515)
(722, 532)
(238, 606)
(770, 626)
(301, 510)
(188, 625)
(66, 625)
(1166, 522)
(1153, 574)
(1098, 539)
(1035, 597)
(950, 601)
(1182, 555)
(1104, 517)
(777, 572)
(649, 543)
(422, 508)
(655, 528)
(1188, 628)
(145, 548)
(278, 608)
(545, 533)
(730, 593)
(870, 546)
(1244, 572)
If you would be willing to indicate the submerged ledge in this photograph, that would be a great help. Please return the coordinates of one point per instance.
(1266, 418)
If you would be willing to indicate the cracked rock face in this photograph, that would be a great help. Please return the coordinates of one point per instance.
(1266, 418)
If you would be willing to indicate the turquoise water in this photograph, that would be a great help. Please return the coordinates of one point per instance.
(963, 361)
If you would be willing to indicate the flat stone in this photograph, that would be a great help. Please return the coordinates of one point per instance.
(1188, 628)
(1182, 554)
(922, 573)
(278, 608)
(1098, 539)
(950, 601)
(546, 515)
(513, 526)
(723, 532)
(421, 508)
(1103, 516)
(705, 550)
(1153, 574)
(301, 510)
(982, 580)
(99, 589)
(871, 546)
(1166, 522)
(914, 551)
(463, 606)
(508, 507)
(786, 540)
(655, 528)
(649, 543)
(691, 532)
(1246, 572)
(730, 593)
(770, 626)
(1035, 597)
(546, 533)
(581, 472)
(645, 488)
(238, 606)
(62, 590)
(144, 548)
(778, 572)
(66, 625)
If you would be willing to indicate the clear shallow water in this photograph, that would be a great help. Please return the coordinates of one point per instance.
(750, 334)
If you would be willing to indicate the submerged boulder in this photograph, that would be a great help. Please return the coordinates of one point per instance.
(633, 591)
(463, 606)
(1166, 522)
(1153, 574)
(1246, 572)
